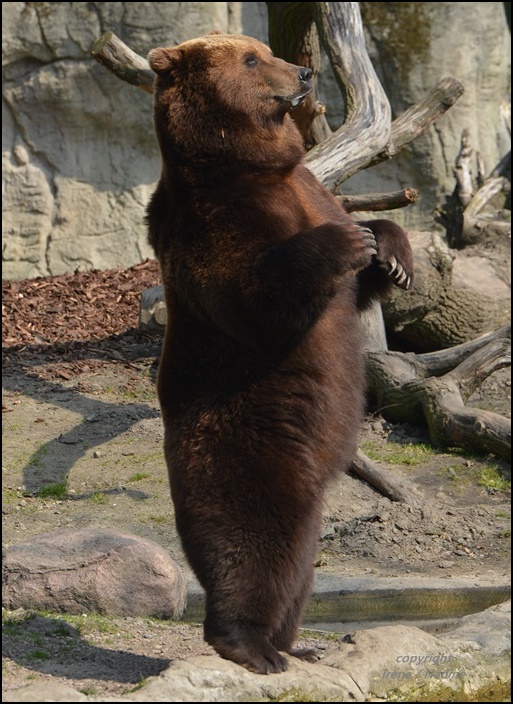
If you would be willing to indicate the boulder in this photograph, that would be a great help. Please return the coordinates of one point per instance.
(93, 570)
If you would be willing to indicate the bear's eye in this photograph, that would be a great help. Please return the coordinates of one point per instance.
(251, 60)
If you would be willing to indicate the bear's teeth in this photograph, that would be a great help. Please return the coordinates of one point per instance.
(295, 102)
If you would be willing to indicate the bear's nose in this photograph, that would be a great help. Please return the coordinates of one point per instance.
(305, 74)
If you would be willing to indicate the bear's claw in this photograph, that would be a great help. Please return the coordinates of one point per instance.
(395, 271)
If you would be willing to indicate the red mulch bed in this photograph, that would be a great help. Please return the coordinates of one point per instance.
(76, 317)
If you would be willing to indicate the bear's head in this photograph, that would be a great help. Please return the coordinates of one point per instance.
(226, 96)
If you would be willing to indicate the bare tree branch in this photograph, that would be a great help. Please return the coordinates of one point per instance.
(452, 424)
(416, 120)
(471, 373)
(379, 201)
(384, 482)
(124, 63)
(441, 362)
(368, 113)
(406, 390)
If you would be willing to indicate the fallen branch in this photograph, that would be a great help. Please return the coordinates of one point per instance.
(475, 223)
(406, 388)
(412, 123)
(379, 201)
(441, 362)
(368, 113)
(383, 481)
(124, 63)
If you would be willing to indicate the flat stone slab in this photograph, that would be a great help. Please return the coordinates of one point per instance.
(97, 570)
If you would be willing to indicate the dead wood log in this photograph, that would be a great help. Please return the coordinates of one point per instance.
(433, 388)
(393, 488)
(379, 201)
(117, 57)
(414, 121)
(463, 216)
(293, 37)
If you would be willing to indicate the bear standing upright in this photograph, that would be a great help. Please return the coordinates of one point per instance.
(261, 379)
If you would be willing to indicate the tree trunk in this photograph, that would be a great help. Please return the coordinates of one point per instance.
(293, 36)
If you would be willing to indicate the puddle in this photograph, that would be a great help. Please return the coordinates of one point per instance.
(433, 610)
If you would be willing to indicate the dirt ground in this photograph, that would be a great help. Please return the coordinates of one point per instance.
(82, 447)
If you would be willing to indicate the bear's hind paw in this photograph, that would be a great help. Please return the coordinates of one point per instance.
(255, 654)
(306, 654)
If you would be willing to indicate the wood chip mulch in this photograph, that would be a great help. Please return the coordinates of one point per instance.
(76, 316)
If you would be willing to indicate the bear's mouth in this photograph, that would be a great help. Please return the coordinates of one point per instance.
(294, 100)
(299, 99)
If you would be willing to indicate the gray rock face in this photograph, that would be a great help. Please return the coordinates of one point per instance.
(97, 570)
(79, 155)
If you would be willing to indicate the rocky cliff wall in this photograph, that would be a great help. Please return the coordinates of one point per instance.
(79, 158)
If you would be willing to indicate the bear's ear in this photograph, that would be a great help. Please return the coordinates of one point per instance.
(164, 61)
(215, 31)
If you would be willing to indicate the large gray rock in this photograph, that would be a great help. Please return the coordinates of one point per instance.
(97, 570)
(371, 663)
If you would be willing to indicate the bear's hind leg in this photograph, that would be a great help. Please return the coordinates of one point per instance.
(287, 634)
(246, 644)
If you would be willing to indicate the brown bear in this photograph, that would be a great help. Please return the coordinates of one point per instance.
(261, 379)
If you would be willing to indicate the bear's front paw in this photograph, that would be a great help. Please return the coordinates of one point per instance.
(361, 248)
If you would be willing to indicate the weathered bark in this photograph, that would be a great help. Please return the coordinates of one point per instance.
(124, 63)
(384, 482)
(457, 295)
(432, 388)
(379, 201)
(463, 215)
(368, 114)
(414, 121)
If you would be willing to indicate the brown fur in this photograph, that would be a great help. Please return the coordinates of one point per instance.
(261, 377)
